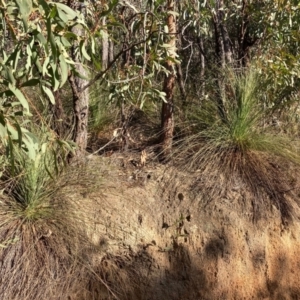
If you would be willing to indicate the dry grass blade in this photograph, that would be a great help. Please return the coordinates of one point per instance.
(43, 253)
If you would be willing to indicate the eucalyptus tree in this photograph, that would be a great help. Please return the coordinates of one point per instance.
(36, 40)
(167, 117)
(80, 99)
(240, 33)
(278, 53)
(145, 59)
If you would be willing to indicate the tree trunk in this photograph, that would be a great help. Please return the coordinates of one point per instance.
(80, 100)
(105, 46)
(223, 53)
(219, 45)
(167, 116)
(59, 121)
(111, 51)
(224, 33)
(202, 64)
(245, 42)
(179, 74)
(181, 83)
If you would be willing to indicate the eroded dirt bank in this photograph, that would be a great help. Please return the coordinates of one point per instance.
(161, 239)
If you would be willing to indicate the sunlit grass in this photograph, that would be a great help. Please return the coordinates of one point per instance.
(42, 229)
(236, 144)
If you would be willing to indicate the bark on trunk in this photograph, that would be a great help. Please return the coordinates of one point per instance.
(59, 122)
(167, 117)
(225, 36)
(219, 45)
(202, 64)
(105, 45)
(179, 74)
(223, 43)
(80, 100)
(111, 51)
(223, 52)
(244, 40)
(181, 83)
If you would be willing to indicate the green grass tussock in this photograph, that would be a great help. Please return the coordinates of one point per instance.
(232, 141)
(43, 231)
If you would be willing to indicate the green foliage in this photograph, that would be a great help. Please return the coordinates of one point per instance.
(37, 36)
(264, 32)
(137, 78)
(31, 182)
(279, 62)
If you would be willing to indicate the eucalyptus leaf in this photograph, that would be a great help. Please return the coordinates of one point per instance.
(45, 66)
(3, 131)
(49, 93)
(31, 82)
(69, 11)
(40, 37)
(10, 76)
(25, 8)
(19, 96)
(65, 42)
(62, 16)
(83, 51)
(12, 131)
(64, 70)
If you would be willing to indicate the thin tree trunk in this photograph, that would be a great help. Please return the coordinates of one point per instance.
(167, 116)
(80, 100)
(179, 75)
(219, 44)
(223, 43)
(105, 46)
(59, 117)
(241, 36)
(202, 64)
(245, 42)
(111, 51)
(225, 35)
(220, 54)
(181, 82)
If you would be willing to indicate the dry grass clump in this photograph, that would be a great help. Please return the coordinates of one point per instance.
(43, 234)
(115, 277)
(39, 258)
(234, 145)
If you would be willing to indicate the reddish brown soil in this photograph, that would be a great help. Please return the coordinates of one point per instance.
(162, 240)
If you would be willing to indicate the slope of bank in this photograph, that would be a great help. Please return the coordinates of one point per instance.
(162, 238)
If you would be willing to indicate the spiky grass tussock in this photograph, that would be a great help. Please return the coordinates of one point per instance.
(42, 230)
(234, 145)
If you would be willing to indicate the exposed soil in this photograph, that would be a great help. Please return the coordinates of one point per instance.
(159, 237)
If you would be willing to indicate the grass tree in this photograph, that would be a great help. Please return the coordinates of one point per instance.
(42, 228)
(240, 146)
